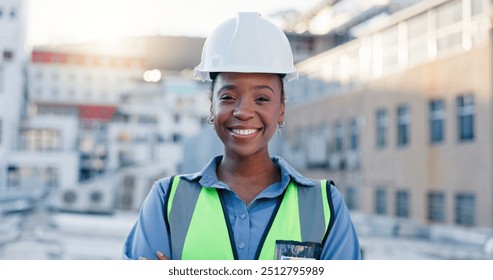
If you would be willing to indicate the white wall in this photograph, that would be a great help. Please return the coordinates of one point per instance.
(12, 39)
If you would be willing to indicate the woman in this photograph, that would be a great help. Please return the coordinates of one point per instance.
(244, 204)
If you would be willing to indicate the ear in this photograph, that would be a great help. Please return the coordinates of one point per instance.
(281, 112)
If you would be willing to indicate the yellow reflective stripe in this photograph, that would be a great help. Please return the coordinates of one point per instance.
(286, 225)
(323, 184)
(207, 237)
(174, 186)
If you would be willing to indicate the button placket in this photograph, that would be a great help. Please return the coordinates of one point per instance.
(242, 227)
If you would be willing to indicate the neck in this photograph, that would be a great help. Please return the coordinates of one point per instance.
(248, 176)
(250, 167)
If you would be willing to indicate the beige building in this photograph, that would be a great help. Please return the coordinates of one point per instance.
(401, 118)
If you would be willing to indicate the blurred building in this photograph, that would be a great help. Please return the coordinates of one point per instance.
(72, 98)
(147, 138)
(401, 117)
(13, 55)
(333, 22)
(92, 124)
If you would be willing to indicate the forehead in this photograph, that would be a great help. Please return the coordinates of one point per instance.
(248, 80)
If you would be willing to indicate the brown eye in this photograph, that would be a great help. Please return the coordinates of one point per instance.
(225, 97)
(262, 99)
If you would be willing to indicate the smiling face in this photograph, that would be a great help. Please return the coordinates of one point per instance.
(246, 108)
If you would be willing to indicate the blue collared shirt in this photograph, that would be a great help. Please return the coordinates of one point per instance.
(149, 234)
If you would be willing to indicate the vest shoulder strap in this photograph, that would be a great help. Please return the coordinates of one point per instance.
(330, 204)
(194, 216)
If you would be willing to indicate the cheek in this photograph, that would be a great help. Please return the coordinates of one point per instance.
(276, 114)
(218, 111)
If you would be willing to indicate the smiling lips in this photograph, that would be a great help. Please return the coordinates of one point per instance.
(244, 132)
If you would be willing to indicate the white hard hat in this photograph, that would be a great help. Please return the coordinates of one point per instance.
(247, 43)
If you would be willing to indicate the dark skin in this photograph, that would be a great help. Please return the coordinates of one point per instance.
(246, 109)
(159, 256)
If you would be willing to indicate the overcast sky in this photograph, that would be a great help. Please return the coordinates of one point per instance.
(58, 21)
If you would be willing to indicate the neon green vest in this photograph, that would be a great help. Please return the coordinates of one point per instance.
(199, 227)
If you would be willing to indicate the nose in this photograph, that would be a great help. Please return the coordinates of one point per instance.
(243, 110)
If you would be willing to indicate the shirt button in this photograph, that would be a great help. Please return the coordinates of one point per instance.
(242, 216)
(241, 245)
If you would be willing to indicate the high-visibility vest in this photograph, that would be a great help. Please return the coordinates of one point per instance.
(199, 228)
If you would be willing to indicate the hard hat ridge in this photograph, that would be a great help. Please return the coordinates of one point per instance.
(247, 43)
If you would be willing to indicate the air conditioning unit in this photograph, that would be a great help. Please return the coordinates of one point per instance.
(85, 200)
(69, 199)
(100, 200)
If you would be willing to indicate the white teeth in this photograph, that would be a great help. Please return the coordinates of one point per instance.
(244, 131)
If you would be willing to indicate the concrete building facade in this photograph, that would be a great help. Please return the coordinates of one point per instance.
(13, 54)
(401, 118)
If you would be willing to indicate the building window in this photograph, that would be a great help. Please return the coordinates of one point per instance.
(449, 27)
(437, 121)
(476, 7)
(465, 115)
(417, 38)
(381, 202)
(436, 207)
(23, 177)
(339, 137)
(8, 55)
(127, 193)
(403, 121)
(402, 204)
(382, 125)
(2, 79)
(353, 135)
(13, 180)
(40, 140)
(449, 13)
(315, 83)
(390, 38)
(147, 119)
(176, 138)
(351, 198)
(12, 13)
(316, 146)
(465, 209)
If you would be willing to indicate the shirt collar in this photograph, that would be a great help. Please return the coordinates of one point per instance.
(207, 177)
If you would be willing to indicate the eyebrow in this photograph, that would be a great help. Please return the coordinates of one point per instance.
(230, 87)
(264, 87)
(233, 87)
